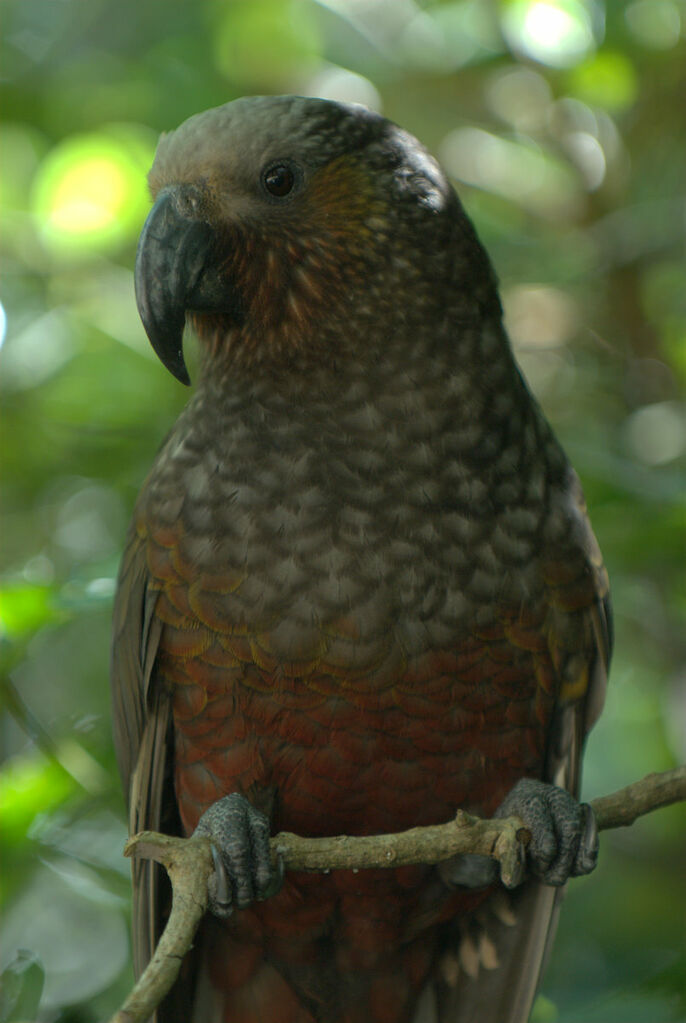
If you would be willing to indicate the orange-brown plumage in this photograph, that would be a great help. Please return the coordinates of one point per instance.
(360, 589)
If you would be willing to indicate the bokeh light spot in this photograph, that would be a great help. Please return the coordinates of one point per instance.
(89, 196)
(539, 316)
(554, 32)
(588, 155)
(518, 170)
(656, 434)
(654, 23)
(519, 96)
(344, 86)
(90, 192)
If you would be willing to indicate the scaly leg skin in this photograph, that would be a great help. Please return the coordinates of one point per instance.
(564, 833)
(564, 838)
(243, 870)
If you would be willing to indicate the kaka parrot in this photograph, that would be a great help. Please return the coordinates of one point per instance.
(360, 588)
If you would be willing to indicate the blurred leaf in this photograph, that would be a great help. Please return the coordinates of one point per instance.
(670, 982)
(22, 149)
(25, 608)
(29, 785)
(96, 838)
(81, 942)
(544, 1011)
(607, 80)
(262, 42)
(21, 986)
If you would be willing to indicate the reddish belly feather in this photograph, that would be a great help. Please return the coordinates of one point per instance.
(357, 762)
(453, 729)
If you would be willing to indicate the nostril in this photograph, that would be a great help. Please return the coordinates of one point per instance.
(191, 202)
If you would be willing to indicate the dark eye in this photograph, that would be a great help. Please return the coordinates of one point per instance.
(279, 180)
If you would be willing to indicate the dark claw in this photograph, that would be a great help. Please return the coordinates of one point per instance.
(274, 886)
(564, 836)
(240, 850)
(587, 856)
(219, 886)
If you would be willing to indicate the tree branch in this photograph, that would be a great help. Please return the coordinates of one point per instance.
(623, 807)
(189, 865)
(188, 861)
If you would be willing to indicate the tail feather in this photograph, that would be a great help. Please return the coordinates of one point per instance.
(491, 965)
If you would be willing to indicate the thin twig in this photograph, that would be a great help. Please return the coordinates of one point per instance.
(621, 808)
(501, 839)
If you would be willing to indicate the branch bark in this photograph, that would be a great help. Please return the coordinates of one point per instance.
(188, 861)
(622, 808)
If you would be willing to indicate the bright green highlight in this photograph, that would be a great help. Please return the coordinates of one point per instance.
(90, 192)
(29, 785)
(607, 80)
(24, 608)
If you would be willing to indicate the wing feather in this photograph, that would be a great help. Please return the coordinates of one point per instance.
(143, 741)
(580, 642)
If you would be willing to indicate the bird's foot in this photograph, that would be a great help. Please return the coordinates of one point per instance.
(243, 869)
(564, 833)
(563, 844)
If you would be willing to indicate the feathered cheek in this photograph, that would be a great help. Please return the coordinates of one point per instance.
(289, 284)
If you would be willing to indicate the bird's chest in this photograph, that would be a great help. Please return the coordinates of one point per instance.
(306, 555)
(335, 613)
(307, 529)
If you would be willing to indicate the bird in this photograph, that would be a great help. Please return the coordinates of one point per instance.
(360, 589)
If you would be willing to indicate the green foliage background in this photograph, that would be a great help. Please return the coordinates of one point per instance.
(563, 124)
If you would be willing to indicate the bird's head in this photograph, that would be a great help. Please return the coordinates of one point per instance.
(284, 225)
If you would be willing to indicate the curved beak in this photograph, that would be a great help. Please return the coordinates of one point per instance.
(176, 270)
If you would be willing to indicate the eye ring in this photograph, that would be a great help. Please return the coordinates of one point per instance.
(279, 179)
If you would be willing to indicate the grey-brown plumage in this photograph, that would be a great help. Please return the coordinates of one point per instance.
(360, 588)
